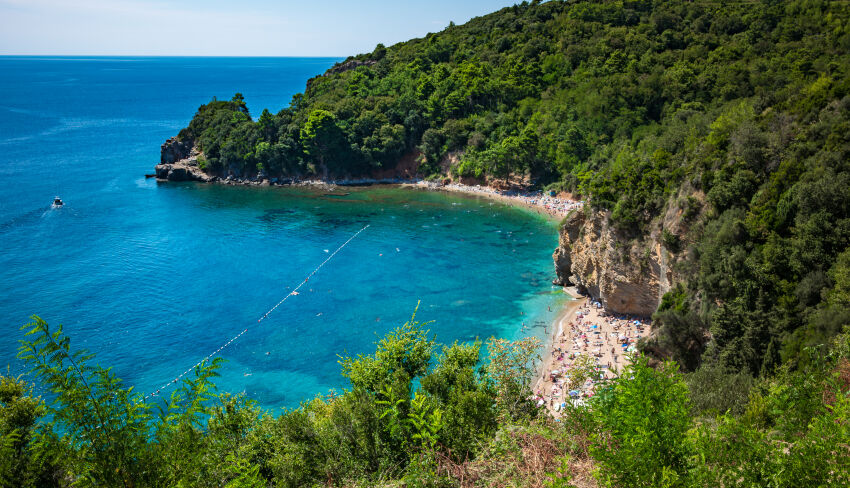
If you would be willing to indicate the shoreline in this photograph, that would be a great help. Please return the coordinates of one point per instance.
(545, 386)
(552, 208)
(558, 325)
(585, 328)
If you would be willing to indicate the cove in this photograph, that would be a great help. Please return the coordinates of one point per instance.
(152, 297)
(153, 277)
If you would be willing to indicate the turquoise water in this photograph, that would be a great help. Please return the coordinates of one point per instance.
(151, 277)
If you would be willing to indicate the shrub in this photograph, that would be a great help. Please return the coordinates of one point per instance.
(643, 419)
(671, 241)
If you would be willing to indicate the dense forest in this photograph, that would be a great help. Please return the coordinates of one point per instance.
(736, 114)
(732, 116)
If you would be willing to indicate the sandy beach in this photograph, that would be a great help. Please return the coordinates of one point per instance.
(584, 328)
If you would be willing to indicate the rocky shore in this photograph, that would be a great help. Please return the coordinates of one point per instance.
(180, 160)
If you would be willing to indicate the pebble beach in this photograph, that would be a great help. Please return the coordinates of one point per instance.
(555, 207)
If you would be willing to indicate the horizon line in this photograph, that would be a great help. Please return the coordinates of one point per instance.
(167, 56)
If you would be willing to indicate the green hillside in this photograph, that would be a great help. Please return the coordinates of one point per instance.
(732, 117)
(735, 113)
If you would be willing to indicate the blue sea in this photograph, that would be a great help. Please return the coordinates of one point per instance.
(152, 277)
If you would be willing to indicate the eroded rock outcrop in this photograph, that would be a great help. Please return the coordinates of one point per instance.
(627, 276)
(178, 161)
(174, 150)
(349, 65)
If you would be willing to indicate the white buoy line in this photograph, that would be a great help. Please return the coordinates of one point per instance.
(263, 317)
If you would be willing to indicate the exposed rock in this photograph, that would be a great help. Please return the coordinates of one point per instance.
(162, 171)
(182, 170)
(349, 65)
(626, 276)
(563, 263)
(174, 150)
(179, 162)
(178, 173)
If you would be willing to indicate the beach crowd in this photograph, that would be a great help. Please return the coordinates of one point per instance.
(594, 346)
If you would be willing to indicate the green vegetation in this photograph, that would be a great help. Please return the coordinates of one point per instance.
(413, 419)
(734, 114)
(733, 117)
(101, 433)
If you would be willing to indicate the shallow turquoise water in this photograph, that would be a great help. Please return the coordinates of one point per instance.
(152, 277)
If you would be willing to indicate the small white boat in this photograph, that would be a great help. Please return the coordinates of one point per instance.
(57, 202)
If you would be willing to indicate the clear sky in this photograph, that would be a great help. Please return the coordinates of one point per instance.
(224, 27)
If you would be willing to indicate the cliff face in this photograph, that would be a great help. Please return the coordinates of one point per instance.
(174, 150)
(178, 161)
(626, 276)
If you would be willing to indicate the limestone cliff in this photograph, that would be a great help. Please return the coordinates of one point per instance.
(627, 276)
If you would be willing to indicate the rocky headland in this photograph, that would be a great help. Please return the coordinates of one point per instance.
(179, 161)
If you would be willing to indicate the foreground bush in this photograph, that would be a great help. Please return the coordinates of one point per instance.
(409, 422)
(642, 420)
(407, 408)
